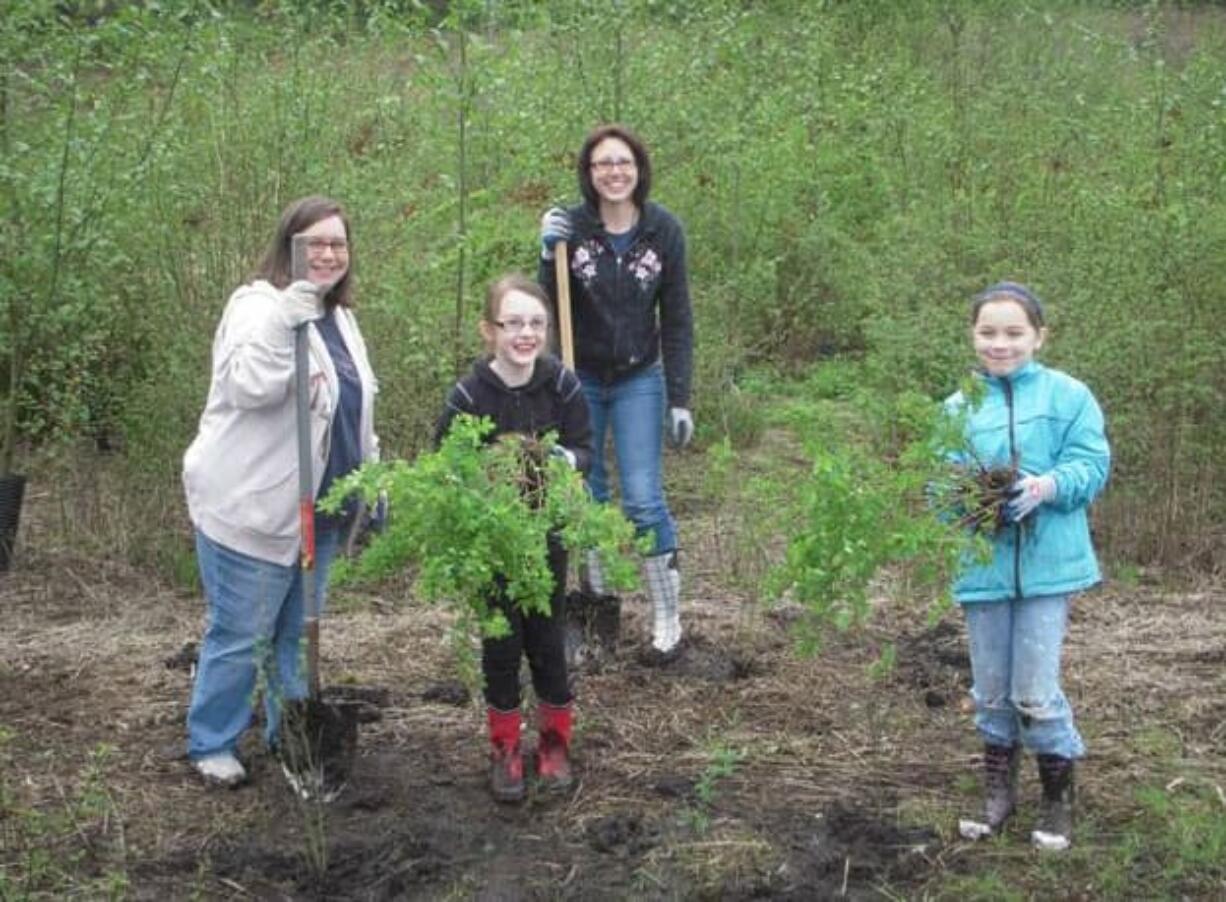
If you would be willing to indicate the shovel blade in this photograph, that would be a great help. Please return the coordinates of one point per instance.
(591, 627)
(318, 746)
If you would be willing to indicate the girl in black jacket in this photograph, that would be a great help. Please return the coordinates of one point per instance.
(633, 345)
(525, 391)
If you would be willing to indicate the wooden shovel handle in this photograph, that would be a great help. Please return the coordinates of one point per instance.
(561, 272)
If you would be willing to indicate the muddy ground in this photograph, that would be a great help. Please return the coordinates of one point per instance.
(741, 771)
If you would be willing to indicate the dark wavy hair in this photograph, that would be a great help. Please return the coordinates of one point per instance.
(1010, 291)
(642, 162)
(276, 267)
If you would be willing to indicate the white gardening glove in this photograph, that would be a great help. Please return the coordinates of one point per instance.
(566, 454)
(555, 227)
(302, 302)
(1027, 494)
(680, 426)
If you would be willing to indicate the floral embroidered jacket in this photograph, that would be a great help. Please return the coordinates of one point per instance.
(628, 311)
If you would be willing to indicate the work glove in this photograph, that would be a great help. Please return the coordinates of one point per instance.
(302, 302)
(555, 227)
(1027, 494)
(565, 453)
(680, 426)
(369, 522)
(378, 515)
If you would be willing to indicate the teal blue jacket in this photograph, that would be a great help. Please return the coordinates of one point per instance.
(1052, 423)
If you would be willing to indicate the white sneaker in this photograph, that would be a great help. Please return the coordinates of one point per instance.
(221, 769)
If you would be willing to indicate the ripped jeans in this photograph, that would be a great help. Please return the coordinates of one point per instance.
(1015, 662)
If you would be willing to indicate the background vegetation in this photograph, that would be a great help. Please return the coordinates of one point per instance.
(849, 173)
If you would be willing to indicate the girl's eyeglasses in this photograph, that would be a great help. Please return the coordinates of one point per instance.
(515, 324)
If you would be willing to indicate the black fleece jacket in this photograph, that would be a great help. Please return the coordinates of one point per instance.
(628, 310)
(551, 401)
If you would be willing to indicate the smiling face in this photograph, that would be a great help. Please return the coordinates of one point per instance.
(614, 171)
(517, 337)
(327, 251)
(1004, 337)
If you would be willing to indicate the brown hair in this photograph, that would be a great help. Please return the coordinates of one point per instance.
(276, 267)
(642, 162)
(503, 286)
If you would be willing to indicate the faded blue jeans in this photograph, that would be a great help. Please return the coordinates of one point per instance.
(256, 619)
(1015, 662)
(634, 408)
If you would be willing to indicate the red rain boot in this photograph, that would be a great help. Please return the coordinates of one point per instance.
(553, 748)
(506, 760)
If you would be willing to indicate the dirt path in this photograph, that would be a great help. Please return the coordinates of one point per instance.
(742, 771)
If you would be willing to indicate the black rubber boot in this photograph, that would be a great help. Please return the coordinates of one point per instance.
(1054, 831)
(1000, 768)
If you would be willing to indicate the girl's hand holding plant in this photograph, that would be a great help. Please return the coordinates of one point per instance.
(1027, 494)
(565, 454)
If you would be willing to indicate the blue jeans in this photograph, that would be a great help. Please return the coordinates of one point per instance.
(256, 619)
(634, 408)
(1015, 661)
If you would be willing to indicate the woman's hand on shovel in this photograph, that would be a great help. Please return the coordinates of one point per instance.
(555, 227)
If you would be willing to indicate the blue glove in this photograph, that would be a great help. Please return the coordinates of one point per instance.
(1027, 494)
(555, 227)
(680, 426)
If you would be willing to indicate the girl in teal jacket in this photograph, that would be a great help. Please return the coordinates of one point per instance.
(1049, 427)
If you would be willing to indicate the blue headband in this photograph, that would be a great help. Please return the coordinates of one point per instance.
(1015, 291)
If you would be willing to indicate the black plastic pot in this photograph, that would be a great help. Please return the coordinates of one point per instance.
(12, 490)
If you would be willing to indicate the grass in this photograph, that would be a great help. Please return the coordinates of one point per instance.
(73, 845)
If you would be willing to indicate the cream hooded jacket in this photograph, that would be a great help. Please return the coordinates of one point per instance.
(241, 471)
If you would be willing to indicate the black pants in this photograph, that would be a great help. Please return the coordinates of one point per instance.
(540, 637)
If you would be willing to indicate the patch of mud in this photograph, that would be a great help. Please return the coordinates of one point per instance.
(935, 664)
(844, 852)
(700, 659)
(622, 835)
(448, 692)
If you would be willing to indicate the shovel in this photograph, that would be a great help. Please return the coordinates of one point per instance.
(586, 614)
(319, 738)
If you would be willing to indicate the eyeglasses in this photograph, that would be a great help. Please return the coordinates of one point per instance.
(338, 246)
(514, 324)
(616, 163)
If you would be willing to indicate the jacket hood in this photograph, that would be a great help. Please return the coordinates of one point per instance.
(546, 368)
(587, 218)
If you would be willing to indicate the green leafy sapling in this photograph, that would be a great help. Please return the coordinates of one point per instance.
(472, 518)
(858, 513)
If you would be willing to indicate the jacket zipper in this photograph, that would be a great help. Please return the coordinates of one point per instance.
(1013, 462)
(617, 293)
(618, 337)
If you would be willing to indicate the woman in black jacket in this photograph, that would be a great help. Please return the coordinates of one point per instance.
(633, 345)
(526, 392)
